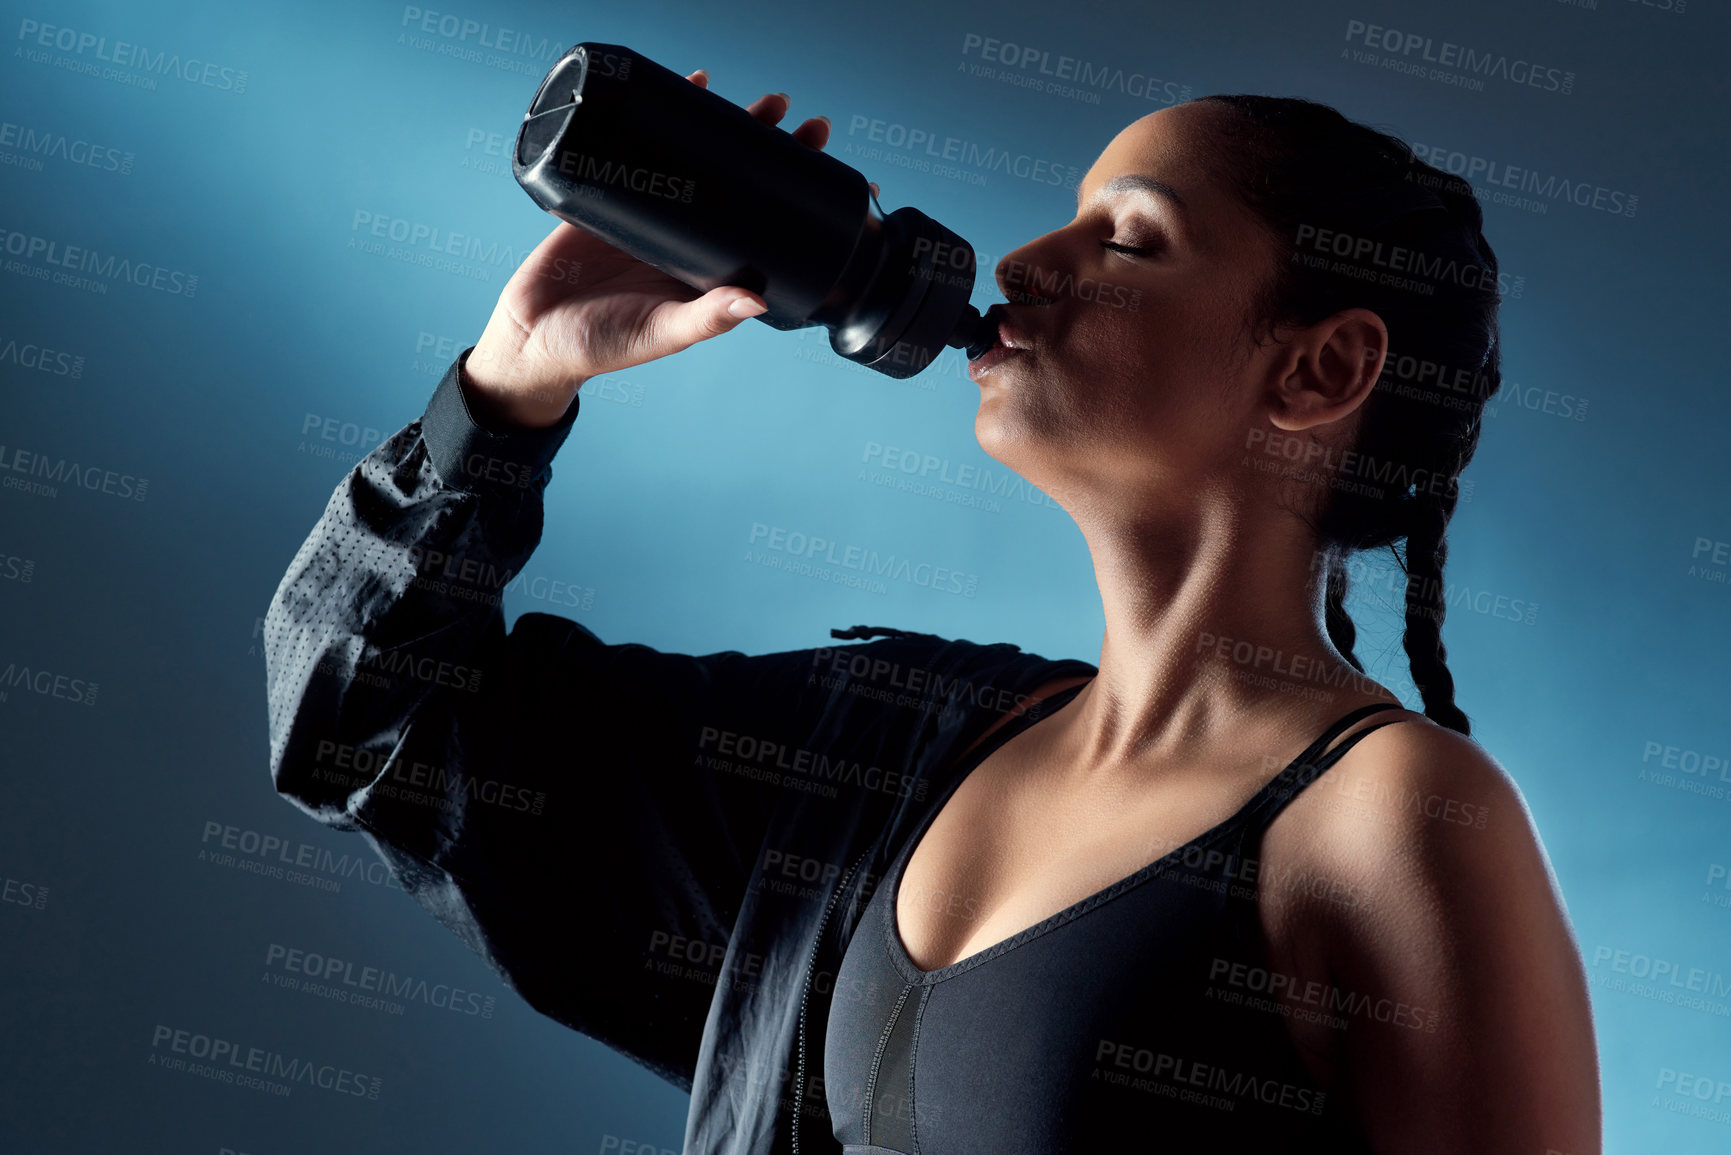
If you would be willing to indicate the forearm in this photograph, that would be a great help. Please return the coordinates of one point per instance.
(396, 594)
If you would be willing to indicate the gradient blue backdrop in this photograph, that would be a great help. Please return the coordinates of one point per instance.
(297, 342)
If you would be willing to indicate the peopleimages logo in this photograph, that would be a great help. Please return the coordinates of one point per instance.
(430, 245)
(88, 46)
(341, 980)
(815, 556)
(41, 359)
(272, 856)
(46, 683)
(36, 143)
(476, 41)
(1370, 258)
(1548, 187)
(927, 150)
(597, 170)
(969, 483)
(1068, 76)
(1418, 49)
(17, 465)
(227, 1061)
(28, 248)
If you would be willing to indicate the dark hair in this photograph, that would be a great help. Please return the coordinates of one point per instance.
(1359, 220)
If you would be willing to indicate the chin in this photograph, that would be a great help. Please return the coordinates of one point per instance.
(1003, 435)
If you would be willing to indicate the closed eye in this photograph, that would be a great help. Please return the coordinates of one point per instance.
(1117, 248)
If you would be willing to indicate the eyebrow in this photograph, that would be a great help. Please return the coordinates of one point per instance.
(1136, 182)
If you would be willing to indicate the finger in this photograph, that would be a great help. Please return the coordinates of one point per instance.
(814, 132)
(700, 78)
(770, 107)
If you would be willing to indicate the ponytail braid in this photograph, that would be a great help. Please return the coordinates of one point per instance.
(1341, 630)
(1307, 171)
(1426, 604)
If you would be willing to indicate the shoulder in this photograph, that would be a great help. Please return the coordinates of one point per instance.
(1402, 787)
(1413, 865)
(1412, 788)
(1414, 811)
(1438, 897)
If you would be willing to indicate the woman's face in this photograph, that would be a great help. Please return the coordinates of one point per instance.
(1138, 367)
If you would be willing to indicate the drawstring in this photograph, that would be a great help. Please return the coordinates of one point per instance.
(853, 632)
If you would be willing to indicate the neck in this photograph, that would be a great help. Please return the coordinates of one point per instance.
(1209, 623)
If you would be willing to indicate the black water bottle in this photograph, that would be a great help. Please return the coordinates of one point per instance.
(699, 188)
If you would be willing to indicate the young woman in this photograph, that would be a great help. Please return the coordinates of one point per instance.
(1124, 903)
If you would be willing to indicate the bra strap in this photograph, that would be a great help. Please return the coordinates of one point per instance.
(1307, 767)
(1340, 726)
(1273, 798)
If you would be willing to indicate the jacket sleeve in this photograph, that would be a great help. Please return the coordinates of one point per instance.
(546, 796)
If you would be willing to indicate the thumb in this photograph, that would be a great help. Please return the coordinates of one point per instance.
(712, 314)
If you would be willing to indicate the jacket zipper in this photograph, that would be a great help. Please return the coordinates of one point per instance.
(805, 994)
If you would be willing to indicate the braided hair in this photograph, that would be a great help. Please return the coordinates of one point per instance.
(1360, 221)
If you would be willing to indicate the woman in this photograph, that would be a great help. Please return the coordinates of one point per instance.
(1120, 910)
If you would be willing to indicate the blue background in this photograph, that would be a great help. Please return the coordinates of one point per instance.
(244, 403)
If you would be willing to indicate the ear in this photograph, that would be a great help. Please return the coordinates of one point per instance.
(1328, 370)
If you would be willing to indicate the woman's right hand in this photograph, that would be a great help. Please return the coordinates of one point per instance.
(578, 307)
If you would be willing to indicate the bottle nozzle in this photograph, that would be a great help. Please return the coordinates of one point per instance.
(973, 333)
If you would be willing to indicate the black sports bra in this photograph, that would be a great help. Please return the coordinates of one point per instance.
(1140, 1015)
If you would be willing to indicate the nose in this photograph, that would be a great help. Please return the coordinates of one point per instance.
(1025, 273)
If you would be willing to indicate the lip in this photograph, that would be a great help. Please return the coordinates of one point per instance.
(992, 357)
(1008, 334)
(1011, 341)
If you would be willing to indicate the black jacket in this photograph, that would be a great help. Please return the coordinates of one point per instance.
(663, 851)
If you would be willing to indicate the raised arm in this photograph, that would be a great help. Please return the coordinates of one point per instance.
(537, 788)
(534, 790)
